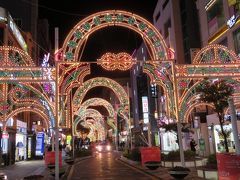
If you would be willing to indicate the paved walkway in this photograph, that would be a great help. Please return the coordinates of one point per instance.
(162, 172)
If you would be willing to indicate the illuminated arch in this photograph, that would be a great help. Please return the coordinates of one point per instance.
(104, 82)
(13, 56)
(29, 109)
(97, 82)
(158, 75)
(193, 106)
(190, 97)
(215, 54)
(104, 103)
(73, 43)
(88, 113)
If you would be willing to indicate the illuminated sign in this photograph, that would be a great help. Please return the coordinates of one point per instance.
(145, 104)
(40, 144)
(17, 33)
(232, 21)
(145, 109)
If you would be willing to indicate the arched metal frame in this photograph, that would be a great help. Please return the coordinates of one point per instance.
(74, 42)
(100, 102)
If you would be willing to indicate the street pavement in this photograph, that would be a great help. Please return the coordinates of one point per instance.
(101, 166)
(105, 166)
(19, 170)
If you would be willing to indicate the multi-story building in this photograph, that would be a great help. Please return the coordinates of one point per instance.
(177, 21)
(25, 15)
(220, 23)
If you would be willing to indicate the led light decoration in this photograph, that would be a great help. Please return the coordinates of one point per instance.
(88, 113)
(213, 61)
(121, 61)
(105, 82)
(216, 54)
(100, 102)
(161, 75)
(13, 56)
(73, 44)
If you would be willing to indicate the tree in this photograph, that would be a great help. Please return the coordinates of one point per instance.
(217, 93)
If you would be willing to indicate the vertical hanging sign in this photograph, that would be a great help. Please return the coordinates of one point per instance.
(40, 144)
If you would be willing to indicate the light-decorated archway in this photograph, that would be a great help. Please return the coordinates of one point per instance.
(21, 85)
(212, 62)
(74, 43)
(100, 102)
(30, 109)
(88, 113)
(103, 82)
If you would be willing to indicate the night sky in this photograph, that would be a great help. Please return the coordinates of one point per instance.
(66, 14)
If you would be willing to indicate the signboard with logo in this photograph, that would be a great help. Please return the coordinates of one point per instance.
(201, 144)
(228, 166)
(40, 144)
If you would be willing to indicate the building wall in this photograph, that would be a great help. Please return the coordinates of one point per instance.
(214, 26)
(25, 14)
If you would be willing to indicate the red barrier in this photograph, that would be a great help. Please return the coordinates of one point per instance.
(150, 154)
(50, 158)
(228, 166)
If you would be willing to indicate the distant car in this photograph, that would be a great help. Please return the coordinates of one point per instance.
(103, 147)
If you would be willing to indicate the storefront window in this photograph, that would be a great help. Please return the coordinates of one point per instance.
(236, 37)
(215, 16)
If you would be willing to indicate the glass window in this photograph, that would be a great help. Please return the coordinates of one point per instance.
(215, 17)
(236, 38)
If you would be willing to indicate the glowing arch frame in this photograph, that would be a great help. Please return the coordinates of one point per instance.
(210, 54)
(28, 109)
(92, 113)
(78, 35)
(104, 103)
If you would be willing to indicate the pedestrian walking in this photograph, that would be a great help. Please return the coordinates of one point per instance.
(193, 145)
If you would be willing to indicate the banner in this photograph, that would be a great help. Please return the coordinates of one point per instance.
(40, 144)
(150, 154)
(228, 166)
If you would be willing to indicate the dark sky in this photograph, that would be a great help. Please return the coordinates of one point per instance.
(65, 14)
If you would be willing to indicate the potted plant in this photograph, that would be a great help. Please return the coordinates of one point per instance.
(69, 161)
(179, 172)
(152, 165)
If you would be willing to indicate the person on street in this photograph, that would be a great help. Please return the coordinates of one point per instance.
(192, 145)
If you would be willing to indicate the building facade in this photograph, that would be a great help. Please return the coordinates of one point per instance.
(220, 23)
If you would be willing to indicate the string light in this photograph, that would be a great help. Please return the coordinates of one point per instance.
(77, 36)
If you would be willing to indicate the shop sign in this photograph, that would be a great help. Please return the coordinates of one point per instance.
(201, 144)
(40, 144)
(69, 139)
(21, 124)
(232, 21)
(228, 166)
(145, 104)
(17, 33)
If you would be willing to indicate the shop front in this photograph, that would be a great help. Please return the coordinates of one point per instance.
(21, 141)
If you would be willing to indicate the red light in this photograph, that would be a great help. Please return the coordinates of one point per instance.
(58, 55)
